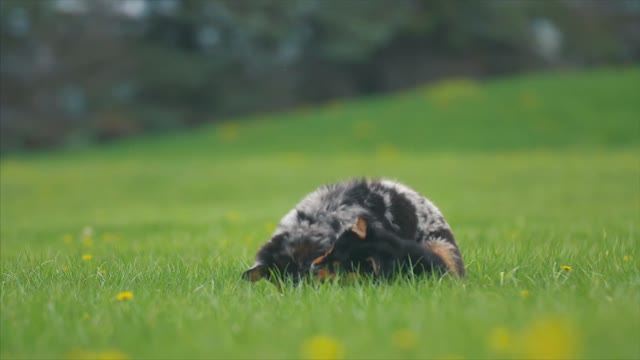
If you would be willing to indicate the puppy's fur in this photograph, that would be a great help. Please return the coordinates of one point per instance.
(312, 228)
(381, 254)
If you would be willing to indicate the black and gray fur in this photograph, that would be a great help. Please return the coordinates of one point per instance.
(311, 229)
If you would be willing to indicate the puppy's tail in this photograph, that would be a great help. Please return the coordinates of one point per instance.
(448, 253)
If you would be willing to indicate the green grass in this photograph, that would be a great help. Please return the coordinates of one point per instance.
(533, 173)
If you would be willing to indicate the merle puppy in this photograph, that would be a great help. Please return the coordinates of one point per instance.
(311, 229)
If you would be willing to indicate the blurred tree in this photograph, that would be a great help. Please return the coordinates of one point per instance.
(76, 71)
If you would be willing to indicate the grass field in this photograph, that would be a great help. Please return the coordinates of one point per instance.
(538, 175)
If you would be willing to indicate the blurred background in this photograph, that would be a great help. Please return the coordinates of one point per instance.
(76, 72)
(150, 147)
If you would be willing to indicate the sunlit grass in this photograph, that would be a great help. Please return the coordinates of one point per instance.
(136, 250)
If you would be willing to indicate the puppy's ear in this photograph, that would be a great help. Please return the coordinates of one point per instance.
(255, 273)
(360, 228)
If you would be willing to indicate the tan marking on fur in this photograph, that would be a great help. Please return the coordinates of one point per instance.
(254, 274)
(320, 259)
(447, 252)
(360, 228)
(374, 265)
(324, 274)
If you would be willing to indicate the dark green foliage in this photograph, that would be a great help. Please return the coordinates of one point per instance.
(72, 75)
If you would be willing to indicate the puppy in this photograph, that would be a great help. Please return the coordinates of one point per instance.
(325, 215)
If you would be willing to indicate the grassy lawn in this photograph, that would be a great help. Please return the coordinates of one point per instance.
(534, 173)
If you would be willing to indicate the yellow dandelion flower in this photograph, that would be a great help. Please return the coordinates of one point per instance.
(248, 239)
(269, 227)
(529, 101)
(295, 158)
(87, 257)
(87, 241)
(387, 152)
(626, 258)
(322, 347)
(232, 216)
(68, 239)
(452, 357)
(362, 129)
(228, 132)
(334, 104)
(404, 339)
(500, 340)
(550, 339)
(125, 295)
(108, 237)
(97, 355)
(446, 92)
(112, 355)
(566, 268)
(524, 293)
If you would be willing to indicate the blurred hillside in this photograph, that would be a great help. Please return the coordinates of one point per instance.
(75, 72)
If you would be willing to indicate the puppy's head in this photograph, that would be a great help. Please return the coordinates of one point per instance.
(284, 258)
